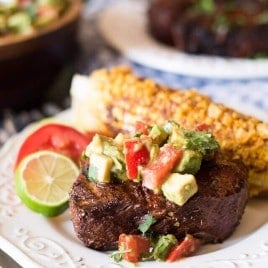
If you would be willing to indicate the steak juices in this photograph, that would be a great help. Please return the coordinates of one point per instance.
(158, 194)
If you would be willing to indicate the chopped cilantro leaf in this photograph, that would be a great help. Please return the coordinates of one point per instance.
(202, 142)
(118, 255)
(148, 221)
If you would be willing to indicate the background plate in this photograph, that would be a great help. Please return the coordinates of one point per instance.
(124, 25)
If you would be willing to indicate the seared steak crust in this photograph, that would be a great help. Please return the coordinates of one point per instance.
(101, 212)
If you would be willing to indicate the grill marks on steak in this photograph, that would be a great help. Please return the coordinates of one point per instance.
(101, 212)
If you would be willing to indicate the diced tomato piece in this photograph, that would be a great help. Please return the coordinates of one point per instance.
(188, 246)
(137, 245)
(202, 127)
(141, 127)
(136, 154)
(25, 3)
(155, 173)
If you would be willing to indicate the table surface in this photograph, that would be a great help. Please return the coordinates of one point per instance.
(7, 262)
(94, 53)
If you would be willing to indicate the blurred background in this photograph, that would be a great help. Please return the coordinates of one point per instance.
(36, 68)
(36, 73)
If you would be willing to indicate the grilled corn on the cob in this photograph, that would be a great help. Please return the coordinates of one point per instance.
(112, 101)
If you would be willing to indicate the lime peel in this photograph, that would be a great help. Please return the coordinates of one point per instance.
(42, 195)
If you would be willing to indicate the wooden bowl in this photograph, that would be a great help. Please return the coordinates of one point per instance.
(30, 63)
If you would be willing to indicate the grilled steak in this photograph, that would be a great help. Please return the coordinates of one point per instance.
(101, 212)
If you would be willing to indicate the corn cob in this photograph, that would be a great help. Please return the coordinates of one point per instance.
(112, 101)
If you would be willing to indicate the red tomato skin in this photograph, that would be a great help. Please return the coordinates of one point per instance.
(56, 137)
(141, 127)
(155, 173)
(136, 154)
(137, 244)
(188, 246)
(202, 127)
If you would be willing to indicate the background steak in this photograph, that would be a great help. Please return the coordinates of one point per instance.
(233, 28)
(100, 212)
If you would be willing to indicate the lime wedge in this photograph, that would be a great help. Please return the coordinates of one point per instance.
(43, 180)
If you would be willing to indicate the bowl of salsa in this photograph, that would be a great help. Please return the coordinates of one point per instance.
(37, 37)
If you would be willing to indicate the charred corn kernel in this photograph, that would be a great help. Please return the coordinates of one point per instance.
(117, 98)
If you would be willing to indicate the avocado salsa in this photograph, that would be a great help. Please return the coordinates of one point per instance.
(20, 17)
(163, 158)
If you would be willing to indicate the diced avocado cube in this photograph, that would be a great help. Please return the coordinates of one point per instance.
(158, 134)
(118, 170)
(119, 174)
(163, 246)
(107, 146)
(100, 166)
(119, 139)
(112, 149)
(19, 22)
(170, 125)
(95, 146)
(154, 151)
(176, 136)
(190, 162)
(178, 188)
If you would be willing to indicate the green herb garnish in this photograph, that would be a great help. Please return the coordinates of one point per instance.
(163, 246)
(148, 221)
(118, 255)
(202, 142)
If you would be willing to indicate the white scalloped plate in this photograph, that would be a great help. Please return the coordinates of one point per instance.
(124, 25)
(35, 241)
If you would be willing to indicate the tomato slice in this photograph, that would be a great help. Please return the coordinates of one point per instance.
(134, 246)
(155, 173)
(188, 246)
(56, 137)
(136, 154)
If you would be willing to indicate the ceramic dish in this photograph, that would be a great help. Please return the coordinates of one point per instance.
(14, 46)
(35, 241)
(29, 64)
(124, 25)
